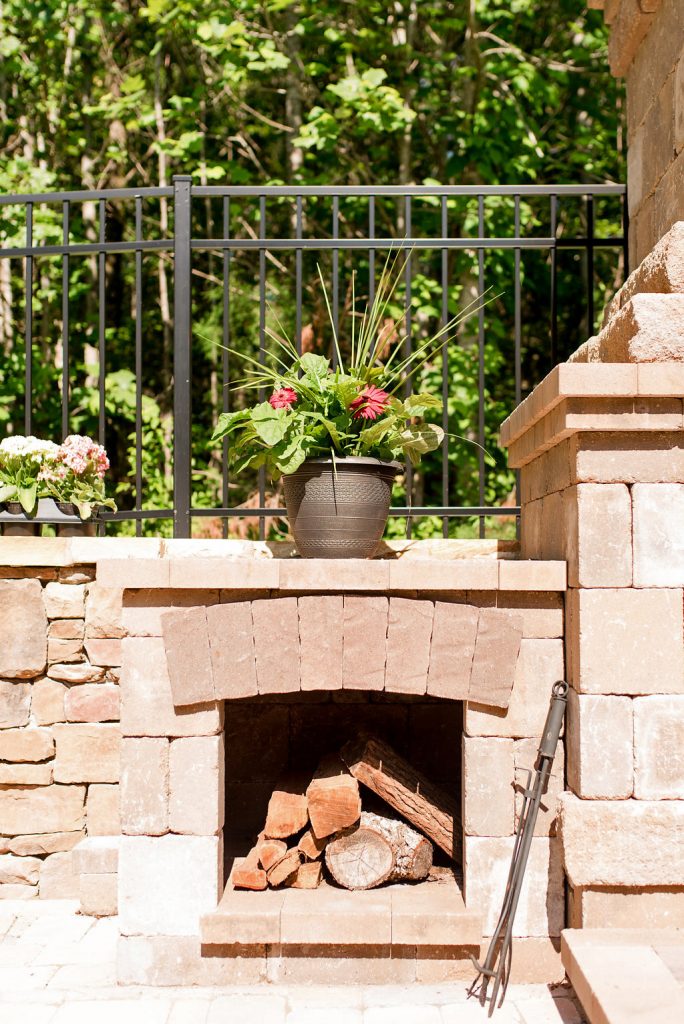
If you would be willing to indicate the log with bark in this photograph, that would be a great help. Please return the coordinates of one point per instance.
(333, 798)
(436, 813)
(378, 850)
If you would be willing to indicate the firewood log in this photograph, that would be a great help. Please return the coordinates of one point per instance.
(284, 868)
(287, 809)
(432, 811)
(247, 874)
(307, 876)
(333, 798)
(311, 847)
(271, 852)
(378, 850)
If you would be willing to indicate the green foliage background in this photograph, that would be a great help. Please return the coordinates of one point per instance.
(113, 93)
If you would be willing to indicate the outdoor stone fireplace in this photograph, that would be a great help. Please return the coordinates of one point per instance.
(235, 670)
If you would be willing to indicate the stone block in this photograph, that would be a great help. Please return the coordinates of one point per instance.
(454, 630)
(663, 269)
(34, 744)
(15, 703)
(188, 662)
(600, 744)
(528, 574)
(99, 856)
(340, 574)
(658, 544)
(409, 632)
(92, 703)
(98, 895)
(659, 748)
(23, 629)
(625, 641)
(147, 707)
(64, 601)
(244, 919)
(66, 629)
(540, 665)
(630, 458)
(167, 883)
(669, 204)
(87, 753)
(46, 809)
(488, 779)
(177, 960)
(648, 329)
(76, 573)
(19, 870)
(622, 842)
(58, 880)
(541, 614)
(541, 909)
(103, 652)
(321, 620)
(365, 642)
(123, 573)
(25, 774)
(49, 842)
(103, 612)
(65, 650)
(629, 27)
(224, 573)
(497, 646)
(231, 643)
(327, 916)
(440, 574)
(78, 672)
(276, 644)
(144, 786)
(102, 810)
(525, 758)
(197, 785)
(598, 529)
(47, 701)
(614, 907)
(143, 609)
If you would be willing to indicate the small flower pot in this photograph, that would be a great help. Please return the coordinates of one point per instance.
(20, 526)
(340, 510)
(76, 527)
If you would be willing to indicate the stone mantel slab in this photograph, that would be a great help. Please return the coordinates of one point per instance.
(332, 575)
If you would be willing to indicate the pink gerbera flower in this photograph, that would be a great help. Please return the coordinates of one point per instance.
(284, 398)
(370, 403)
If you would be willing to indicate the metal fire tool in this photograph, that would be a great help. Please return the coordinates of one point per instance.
(497, 964)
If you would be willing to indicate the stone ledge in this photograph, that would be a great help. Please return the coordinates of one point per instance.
(334, 575)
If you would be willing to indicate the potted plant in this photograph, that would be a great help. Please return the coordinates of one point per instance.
(74, 478)
(338, 434)
(21, 462)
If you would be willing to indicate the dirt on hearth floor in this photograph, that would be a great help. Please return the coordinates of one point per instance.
(57, 967)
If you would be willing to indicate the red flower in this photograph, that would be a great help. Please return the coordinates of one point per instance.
(370, 403)
(283, 399)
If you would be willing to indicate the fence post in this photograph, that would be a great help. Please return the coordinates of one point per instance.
(182, 395)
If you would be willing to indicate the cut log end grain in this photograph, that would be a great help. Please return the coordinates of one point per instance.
(247, 874)
(287, 810)
(284, 868)
(271, 852)
(407, 791)
(310, 847)
(333, 797)
(412, 851)
(360, 858)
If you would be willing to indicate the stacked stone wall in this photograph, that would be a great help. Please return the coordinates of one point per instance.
(60, 652)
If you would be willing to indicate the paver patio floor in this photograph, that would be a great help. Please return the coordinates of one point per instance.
(57, 967)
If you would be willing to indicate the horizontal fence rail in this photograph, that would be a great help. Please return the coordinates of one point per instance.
(123, 313)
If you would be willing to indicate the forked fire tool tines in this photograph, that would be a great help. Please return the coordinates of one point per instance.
(497, 964)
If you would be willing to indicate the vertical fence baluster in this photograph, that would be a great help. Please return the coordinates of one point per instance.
(182, 367)
(138, 366)
(518, 342)
(481, 362)
(101, 285)
(262, 346)
(65, 321)
(371, 252)
(625, 235)
(225, 362)
(445, 367)
(28, 325)
(554, 271)
(298, 277)
(408, 348)
(336, 275)
(590, 266)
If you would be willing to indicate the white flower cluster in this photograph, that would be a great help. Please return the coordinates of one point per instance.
(30, 447)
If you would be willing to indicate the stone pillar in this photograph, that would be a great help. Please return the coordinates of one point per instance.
(600, 449)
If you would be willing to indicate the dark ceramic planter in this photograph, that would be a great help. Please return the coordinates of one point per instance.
(20, 526)
(340, 511)
(77, 527)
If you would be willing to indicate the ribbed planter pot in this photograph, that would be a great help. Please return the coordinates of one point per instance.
(339, 511)
(20, 525)
(77, 527)
(60, 514)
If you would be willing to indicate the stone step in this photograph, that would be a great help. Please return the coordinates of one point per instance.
(426, 915)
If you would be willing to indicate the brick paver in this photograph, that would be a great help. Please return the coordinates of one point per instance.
(57, 967)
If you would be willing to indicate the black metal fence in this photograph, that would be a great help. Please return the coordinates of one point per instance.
(227, 253)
